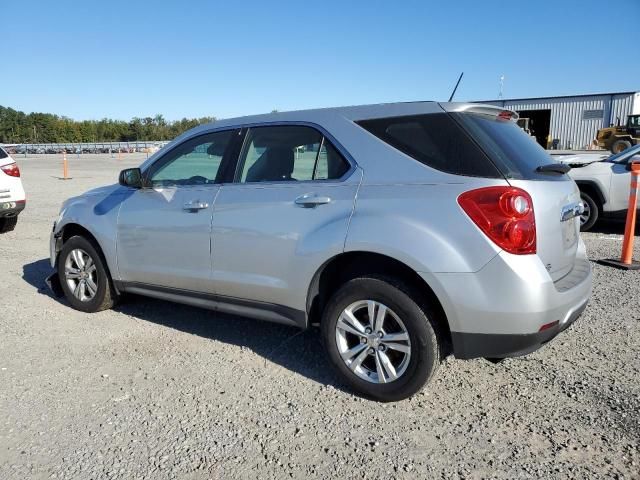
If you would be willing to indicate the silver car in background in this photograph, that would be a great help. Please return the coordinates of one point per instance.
(405, 232)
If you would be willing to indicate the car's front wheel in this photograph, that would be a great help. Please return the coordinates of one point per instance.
(381, 342)
(590, 213)
(83, 276)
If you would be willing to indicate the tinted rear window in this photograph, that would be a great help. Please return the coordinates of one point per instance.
(515, 153)
(3, 154)
(435, 140)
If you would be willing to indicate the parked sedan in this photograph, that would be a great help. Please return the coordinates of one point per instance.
(405, 232)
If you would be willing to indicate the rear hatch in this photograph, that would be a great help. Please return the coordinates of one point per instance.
(484, 141)
(525, 164)
(10, 185)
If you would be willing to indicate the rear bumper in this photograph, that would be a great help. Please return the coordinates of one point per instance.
(499, 311)
(11, 208)
(475, 345)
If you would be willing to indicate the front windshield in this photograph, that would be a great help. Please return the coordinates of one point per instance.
(625, 155)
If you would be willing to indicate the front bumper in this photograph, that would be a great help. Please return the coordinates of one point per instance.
(499, 311)
(55, 243)
(11, 208)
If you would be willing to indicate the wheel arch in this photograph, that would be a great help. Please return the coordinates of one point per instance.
(73, 229)
(592, 188)
(349, 265)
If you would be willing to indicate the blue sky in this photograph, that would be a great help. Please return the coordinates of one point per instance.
(121, 59)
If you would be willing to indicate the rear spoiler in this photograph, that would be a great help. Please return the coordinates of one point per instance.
(480, 109)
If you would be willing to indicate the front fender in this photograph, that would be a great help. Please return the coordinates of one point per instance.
(98, 214)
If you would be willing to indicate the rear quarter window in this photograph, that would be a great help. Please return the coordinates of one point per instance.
(3, 154)
(436, 140)
(516, 154)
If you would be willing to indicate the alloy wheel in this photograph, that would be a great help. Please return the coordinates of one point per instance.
(373, 341)
(586, 213)
(81, 275)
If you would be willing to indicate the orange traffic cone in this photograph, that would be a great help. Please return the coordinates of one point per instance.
(626, 261)
(65, 166)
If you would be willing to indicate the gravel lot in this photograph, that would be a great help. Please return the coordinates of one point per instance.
(157, 390)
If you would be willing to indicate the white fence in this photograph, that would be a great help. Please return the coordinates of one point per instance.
(80, 148)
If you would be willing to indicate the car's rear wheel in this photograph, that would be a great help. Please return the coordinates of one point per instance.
(7, 224)
(591, 212)
(83, 276)
(381, 342)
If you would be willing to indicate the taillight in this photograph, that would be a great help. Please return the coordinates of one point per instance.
(11, 169)
(505, 215)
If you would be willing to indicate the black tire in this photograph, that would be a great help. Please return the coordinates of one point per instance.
(594, 212)
(620, 146)
(425, 345)
(105, 296)
(7, 224)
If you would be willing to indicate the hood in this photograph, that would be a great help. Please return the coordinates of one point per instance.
(98, 192)
(580, 159)
(104, 190)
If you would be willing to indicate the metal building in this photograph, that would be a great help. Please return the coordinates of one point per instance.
(573, 121)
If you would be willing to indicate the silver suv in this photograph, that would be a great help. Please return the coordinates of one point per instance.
(406, 232)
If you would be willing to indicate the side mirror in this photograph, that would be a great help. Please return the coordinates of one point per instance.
(131, 177)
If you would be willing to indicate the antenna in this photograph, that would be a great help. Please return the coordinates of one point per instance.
(456, 87)
(500, 96)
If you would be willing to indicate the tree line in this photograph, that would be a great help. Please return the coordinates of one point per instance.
(19, 127)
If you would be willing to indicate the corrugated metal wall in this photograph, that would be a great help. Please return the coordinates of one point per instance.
(567, 121)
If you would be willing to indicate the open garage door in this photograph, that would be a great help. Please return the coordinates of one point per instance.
(539, 124)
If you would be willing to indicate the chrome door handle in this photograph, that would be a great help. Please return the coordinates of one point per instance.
(310, 200)
(195, 206)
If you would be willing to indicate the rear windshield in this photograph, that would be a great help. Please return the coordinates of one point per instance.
(465, 144)
(435, 140)
(3, 154)
(515, 153)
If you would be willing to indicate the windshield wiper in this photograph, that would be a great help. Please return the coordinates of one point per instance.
(554, 168)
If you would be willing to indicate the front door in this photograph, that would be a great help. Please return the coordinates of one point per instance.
(164, 229)
(287, 210)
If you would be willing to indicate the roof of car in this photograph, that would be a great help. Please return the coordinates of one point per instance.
(353, 113)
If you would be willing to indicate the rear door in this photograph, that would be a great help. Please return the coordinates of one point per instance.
(164, 230)
(555, 196)
(287, 211)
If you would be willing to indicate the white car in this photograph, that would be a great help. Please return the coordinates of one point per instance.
(12, 196)
(603, 181)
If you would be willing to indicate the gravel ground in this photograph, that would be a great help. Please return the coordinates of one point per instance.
(157, 390)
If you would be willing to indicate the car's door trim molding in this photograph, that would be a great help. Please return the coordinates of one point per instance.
(235, 306)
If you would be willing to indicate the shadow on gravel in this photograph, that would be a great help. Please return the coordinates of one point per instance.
(296, 350)
(609, 226)
(35, 273)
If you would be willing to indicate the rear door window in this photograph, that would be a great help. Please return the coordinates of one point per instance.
(289, 153)
(435, 140)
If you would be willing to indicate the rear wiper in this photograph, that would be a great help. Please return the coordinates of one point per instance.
(554, 168)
